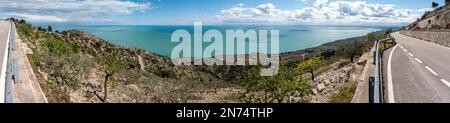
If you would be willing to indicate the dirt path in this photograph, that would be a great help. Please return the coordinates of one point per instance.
(141, 62)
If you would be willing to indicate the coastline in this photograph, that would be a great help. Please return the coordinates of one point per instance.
(289, 59)
(295, 56)
(156, 39)
(285, 57)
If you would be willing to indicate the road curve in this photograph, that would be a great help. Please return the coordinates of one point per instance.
(420, 71)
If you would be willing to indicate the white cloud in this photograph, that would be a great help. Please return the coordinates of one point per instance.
(317, 3)
(70, 10)
(323, 12)
(261, 13)
(40, 18)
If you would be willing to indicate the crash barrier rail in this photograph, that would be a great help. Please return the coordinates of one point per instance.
(376, 82)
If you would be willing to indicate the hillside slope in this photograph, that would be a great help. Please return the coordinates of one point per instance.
(74, 66)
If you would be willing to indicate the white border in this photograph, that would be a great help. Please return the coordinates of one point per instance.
(391, 98)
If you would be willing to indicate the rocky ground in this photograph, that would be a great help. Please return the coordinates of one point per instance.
(331, 81)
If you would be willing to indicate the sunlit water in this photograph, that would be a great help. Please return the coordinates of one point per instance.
(157, 39)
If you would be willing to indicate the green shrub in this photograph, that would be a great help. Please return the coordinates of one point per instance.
(60, 47)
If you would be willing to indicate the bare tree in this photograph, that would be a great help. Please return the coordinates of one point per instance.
(110, 67)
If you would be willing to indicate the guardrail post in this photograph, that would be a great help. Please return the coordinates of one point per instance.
(374, 57)
(371, 88)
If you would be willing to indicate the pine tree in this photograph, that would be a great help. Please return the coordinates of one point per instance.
(49, 29)
(434, 4)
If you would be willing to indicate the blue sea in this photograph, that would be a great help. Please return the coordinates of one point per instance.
(157, 39)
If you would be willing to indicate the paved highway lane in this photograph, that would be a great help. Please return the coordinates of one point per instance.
(4, 30)
(419, 71)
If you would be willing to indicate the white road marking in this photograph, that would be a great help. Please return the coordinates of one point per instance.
(418, 60)
(446, 82)
(405, 50)
(389, 77)
(3, 70)
(410, 54)
(431, 70)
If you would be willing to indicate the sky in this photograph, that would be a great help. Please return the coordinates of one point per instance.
(217, 12)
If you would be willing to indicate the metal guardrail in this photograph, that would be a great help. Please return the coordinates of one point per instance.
(15, 62)
(12, 66)
(376, 83)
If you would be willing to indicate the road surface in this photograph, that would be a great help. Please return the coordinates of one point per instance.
(4, 30)
(417, 71)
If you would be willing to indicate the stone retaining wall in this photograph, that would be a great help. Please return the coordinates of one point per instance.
(441, 37)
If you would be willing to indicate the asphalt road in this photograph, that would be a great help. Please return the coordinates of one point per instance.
(4, 29)
(417, 71)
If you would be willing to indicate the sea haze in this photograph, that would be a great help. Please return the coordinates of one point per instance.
(156, 39)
